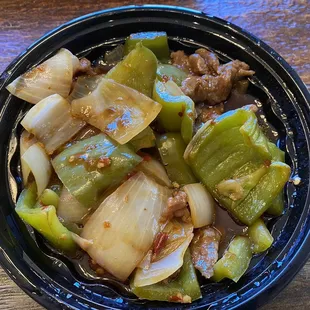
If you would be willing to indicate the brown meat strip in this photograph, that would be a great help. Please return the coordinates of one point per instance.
(175, 205)
(180, 60)
(216, 89)
(204, 249)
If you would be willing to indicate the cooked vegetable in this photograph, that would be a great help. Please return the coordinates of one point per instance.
(145, 139)
(201, 204)
(92, 165)
(231, 157)
(260, 236)
(26, 140)
(137, 70)
(178, 111)
(235, 261)
(169, 72)
(53, 76)
(168, 259)
(70, 210)
(39, 164)
(44, 219)
(184, 288)
(277, 206)
(171, 148)
(119, 111)
(84, 85)
(50, 121)
(157, 42)
(125, 224)
(154, 169)
(49, 197)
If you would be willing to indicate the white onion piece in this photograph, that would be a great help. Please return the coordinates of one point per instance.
(69, 209)
(170, 258)
(84, 244)
(84, 85)
(26, 140)
(125, 224)
(51, 122)
(53, 76)
(163, 268)
(201, 204)
(156, 170)
(39, 164)
(119, 111)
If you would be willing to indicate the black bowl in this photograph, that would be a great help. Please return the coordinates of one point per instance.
(51, 279)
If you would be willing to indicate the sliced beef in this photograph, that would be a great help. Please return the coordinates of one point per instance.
(175, 206)
(180, 60)
(204, 250)
(214, 89)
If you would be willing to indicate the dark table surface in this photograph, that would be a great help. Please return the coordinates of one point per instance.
(284, 25)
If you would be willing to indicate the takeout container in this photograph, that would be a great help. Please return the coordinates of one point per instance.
(51, 279)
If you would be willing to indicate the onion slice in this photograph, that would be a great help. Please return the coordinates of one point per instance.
(154, 169)
(53, 76)
(125, 224)
(26, 140)
(201, 204)
(170, 258)
(50, 121)
(69, 209)
(84, 85)
(39, 164)
(117, 110)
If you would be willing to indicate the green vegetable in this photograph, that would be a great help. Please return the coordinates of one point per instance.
(49, 197)
(178, 110)
(157, 42)
(234, 160)
(235, 261)
(171, 148)
(137, 70)
(260, 236)
(145, 139)
(184, 284)
(90, 166)
(44, 218)
(169, 72)
(277, 206)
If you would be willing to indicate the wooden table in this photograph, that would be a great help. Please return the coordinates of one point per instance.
(282, 24)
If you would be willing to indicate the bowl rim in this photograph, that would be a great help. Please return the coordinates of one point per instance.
(303, 253)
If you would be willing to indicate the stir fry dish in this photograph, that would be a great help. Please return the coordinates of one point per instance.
(136, 162)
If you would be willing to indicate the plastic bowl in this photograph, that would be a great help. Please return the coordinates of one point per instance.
(51, 279)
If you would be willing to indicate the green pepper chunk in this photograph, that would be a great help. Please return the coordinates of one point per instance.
(145, 139)
(237, 164)
(171, 148)
(44, 218)
(178, 110)
(90, 166)
(157, 42)
(277, 206)
(260, 236)
(137, 70)
(184, 284)
(49, 197)
(169, 72)
(235, 261)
